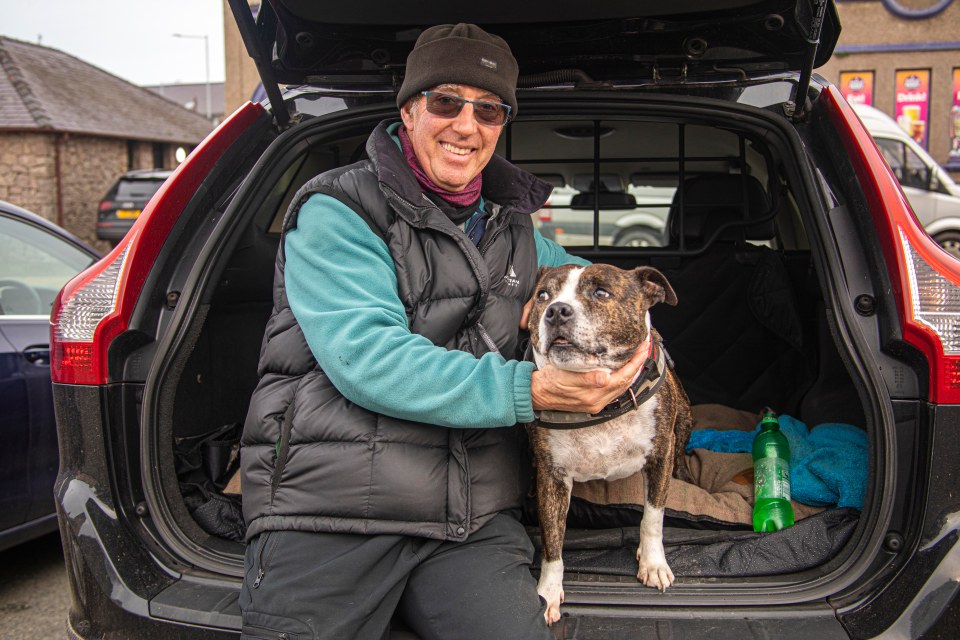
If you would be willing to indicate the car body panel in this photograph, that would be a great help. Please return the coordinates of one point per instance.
(15, 427)
(39, 258)
(601, 39)
(136, 560)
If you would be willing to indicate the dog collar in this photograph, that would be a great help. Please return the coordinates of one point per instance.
(646, 384)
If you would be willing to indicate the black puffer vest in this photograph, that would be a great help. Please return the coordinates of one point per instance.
(314, 461)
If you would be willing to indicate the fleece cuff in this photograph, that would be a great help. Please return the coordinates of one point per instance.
(522, 399)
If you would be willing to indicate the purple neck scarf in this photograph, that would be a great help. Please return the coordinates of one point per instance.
(463, 198)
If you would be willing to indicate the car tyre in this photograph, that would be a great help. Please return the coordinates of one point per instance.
(950, 241)
(638, 237)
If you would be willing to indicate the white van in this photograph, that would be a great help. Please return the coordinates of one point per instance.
(932, 193)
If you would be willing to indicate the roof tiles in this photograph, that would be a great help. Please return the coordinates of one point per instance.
(42, 88)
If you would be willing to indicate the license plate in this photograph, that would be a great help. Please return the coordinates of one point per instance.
(128, 213)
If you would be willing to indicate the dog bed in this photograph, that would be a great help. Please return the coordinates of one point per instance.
(722, 491)
(708, 528)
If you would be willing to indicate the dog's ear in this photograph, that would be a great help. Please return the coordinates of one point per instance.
(655, 284)
(542, 271)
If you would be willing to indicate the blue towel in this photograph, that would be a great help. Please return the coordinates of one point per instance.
(828, 464)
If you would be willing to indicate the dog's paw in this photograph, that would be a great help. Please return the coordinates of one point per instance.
(552, 614)
(657, 575)
(553, 597)
(550, 588)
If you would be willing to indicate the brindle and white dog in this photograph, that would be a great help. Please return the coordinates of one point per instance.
(596, 317)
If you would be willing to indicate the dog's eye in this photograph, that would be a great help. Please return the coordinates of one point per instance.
(543, 295)
(603, 294)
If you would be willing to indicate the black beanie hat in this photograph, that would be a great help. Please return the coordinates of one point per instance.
(461, 54)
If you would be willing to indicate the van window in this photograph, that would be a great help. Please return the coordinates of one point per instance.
(906, 164)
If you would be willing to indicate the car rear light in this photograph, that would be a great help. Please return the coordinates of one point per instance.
(545, 215)
(81, 311)
(95, 307)
(105, 205)
(924, 277)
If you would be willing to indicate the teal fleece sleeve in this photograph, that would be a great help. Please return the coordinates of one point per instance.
(551, 254)
(342, 287)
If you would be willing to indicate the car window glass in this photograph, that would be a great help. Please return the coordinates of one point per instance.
(137, 189)
(34, 266)
(615, 180)
(917, 172)
(893, 153)
(607, 188)
(906, 164)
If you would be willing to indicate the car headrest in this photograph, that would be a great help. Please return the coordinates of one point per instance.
(711, 201)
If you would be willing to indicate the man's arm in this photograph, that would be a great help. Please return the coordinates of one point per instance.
(551, 254)
(342, 288)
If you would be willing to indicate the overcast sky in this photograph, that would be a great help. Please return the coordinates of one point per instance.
(132, 39)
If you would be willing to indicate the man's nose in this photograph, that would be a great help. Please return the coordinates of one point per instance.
(465, 122)
(558, 313)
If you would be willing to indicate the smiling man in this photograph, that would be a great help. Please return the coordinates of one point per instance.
(382, 467)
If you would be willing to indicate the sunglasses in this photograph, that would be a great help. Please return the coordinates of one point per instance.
(447, 105)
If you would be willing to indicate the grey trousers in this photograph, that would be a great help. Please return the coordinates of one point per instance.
(308, 586)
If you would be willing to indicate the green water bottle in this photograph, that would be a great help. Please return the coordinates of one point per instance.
(772, 510)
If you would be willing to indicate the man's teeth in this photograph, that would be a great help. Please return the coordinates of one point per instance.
(452, 149)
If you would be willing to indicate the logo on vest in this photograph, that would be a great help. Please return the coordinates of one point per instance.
(511, 279)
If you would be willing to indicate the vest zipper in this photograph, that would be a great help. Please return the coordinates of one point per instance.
(487, 339)
(488, 238)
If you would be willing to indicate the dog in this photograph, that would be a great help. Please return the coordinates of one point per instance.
(597, 317)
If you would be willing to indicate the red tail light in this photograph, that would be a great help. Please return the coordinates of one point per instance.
(105, 204)
(545, 214)
(95, 307)
(925, 278)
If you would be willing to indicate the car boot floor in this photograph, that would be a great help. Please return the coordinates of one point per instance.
(705, 553)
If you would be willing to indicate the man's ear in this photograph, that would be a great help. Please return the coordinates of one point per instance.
(655, 285)
(406, 113)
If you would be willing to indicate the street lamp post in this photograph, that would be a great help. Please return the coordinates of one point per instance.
(206, 57)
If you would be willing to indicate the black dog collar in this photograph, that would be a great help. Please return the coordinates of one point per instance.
(647, 383)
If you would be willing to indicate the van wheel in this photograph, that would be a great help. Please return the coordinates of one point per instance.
(949, 240)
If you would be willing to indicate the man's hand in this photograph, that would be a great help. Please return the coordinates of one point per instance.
(583, 392)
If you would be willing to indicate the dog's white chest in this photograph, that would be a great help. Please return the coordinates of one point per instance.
(611, 450)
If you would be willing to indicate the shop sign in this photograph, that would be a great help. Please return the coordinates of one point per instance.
(857, 87)
(912, 107)
(954, 129)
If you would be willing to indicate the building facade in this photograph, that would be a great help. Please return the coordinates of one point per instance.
(903, 57)
(69, 129)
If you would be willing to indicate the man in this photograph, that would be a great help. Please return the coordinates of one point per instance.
(382, 468)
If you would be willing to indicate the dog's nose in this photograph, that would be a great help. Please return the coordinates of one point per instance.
(558, 313)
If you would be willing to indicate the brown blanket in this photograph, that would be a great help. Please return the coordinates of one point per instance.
(723, 488)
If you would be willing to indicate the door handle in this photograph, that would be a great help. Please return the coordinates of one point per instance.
(38, 354)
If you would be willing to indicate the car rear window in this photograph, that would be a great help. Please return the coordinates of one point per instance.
(140, 189)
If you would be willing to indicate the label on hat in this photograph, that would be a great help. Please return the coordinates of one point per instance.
(487, 62)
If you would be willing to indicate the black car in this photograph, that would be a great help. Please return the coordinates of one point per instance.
(805, 284)
(124, 201)
(38, 258)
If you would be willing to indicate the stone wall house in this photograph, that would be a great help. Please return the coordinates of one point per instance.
(69, 129)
